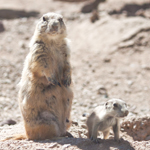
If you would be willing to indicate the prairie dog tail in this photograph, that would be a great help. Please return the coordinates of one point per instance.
(16, 137)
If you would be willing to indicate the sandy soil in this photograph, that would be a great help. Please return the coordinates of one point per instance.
(112, 54)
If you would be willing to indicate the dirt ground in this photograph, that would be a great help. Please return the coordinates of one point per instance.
(110, 59)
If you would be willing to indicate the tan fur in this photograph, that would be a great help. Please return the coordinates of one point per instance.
(45, 95)
(106, 116)
(16, 137)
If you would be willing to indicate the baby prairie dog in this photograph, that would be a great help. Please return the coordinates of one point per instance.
(106, 116)
(45, 95)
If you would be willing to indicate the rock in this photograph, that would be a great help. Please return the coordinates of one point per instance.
(12, 14)
(115, 83)
(93, 70)
(75, 101)
(65, 146)
(129, 82)
(1, 27)
(68, 134)
(94, 17)
(82, 118)
(94, 105)
(146, 67)
(107, 60)
(126, 44)
(140, 13)
(102, 91)
(137, 127)
(83, 126)
(6, 81)
(8, 122)
(85, 114)
(91, 5)
(90, 65)
(22, 45)
(75, 123)
(52, 145)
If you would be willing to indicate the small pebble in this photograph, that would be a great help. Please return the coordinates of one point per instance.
(82, 118)
(107, 60)
(83, 126)
(75, 123)
(84, 115)
(134, 127)
(52, 145)
(1, 27)
(66, 146)
(8, 122)
(22, 45)
(129, 82)
(102, 91)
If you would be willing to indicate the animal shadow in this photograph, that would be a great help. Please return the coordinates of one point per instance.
(87, 144)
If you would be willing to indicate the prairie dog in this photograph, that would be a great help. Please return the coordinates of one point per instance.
(45, 95)
(106, 116)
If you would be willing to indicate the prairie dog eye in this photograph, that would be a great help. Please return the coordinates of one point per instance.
(60, 19)
(44, 19)
(115, 105)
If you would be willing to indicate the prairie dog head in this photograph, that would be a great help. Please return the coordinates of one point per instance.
(116, 108)
(51, 25)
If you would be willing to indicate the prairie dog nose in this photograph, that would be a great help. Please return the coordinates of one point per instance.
(55, 26)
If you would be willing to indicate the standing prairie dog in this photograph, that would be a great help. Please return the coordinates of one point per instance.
(106, 116)
(45, 95)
